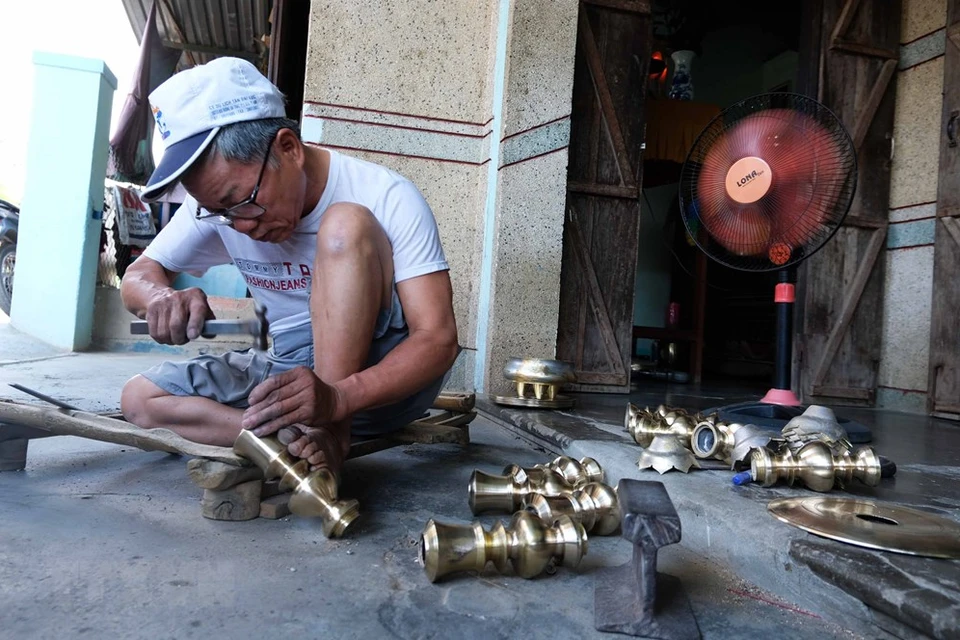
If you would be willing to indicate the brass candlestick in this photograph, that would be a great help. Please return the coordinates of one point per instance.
(314, 492)
(644, 425)
(595, 506)
(576, 473)
(815, 465)
(506, 494)
(529, 543)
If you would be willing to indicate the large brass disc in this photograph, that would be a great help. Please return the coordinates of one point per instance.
(558, 402)
(865, 523)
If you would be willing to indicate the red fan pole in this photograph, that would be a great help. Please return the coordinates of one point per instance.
(784, 297)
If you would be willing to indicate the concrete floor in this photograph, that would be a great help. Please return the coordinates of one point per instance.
(99, 540)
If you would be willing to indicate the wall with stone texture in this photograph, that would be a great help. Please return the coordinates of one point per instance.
(470, 99)
(902, 382)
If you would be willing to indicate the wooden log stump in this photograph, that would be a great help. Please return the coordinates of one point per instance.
(240, 502)
(275, 507)
(13, 455)
(219, 476)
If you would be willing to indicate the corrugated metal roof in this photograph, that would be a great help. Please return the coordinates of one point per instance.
(208, 29)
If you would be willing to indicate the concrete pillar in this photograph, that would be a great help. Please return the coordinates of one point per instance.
(475, 111)
(63, 200)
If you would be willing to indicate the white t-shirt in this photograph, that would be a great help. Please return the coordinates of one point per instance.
(278, 274)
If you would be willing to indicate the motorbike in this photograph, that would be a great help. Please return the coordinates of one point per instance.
(9, 221)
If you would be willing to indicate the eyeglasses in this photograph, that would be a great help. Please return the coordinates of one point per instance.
(246, 210)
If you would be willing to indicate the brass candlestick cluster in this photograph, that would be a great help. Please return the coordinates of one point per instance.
(506, 493)
(314, 492)
(555, 505)
(815, 465)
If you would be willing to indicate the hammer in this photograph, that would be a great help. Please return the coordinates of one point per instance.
(257, 327)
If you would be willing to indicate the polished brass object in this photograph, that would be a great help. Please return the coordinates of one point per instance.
(314, 492)
(865, 523)
(537, 382)
(666, 452)
(531, 546)
(594, 505)
(644, 425)
(815, 466)
(816, 423)
(730, 442)
(574, 472)
(506, 494)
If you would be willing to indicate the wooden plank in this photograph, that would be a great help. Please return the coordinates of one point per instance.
(864, 223)
(607, 190)
(588, 44)
(218, 476)
(849, 306)
(847, 46)
(88, 425)
(595, 298)
(953, 229)
(943, 386)
(843, 22)
(457, 402)
(848, 393)
(866, 116)
(953, 34)
(840, 336)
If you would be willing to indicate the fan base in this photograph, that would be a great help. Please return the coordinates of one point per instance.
(774, 417)
(783, 397)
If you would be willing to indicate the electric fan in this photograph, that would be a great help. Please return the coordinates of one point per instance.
(767, 183)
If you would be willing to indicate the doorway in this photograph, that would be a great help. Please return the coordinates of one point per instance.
(695, 319)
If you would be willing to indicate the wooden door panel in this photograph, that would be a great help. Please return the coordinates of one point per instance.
(944, 376)
(841, 293)
(601, 229)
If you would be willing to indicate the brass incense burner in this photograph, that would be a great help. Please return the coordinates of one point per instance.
(594, 505)
(644, 425)
(815, 465)
(506, 494)
(314, 492)
(574, 472)
(537, 382)
(527, 542)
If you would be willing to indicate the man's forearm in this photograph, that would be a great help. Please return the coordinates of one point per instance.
(141, 286)
(409, 367)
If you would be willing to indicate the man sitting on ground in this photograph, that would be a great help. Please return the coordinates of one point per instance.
(344, 255)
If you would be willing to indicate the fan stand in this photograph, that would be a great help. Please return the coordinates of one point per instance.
(781, 404)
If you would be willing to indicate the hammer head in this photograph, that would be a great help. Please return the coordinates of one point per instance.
(262, 327)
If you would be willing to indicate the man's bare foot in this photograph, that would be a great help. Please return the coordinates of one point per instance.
(318, 446)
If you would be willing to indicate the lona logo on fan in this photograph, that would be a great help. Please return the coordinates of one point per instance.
(749, 177)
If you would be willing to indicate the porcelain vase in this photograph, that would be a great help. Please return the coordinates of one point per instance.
(682, 86)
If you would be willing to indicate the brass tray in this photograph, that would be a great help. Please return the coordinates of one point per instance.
(865, 523)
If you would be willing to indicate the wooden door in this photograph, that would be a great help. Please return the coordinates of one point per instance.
(944, 378)
(602, 225)
(841, 287)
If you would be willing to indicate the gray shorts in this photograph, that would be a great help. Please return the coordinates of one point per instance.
(229, 378)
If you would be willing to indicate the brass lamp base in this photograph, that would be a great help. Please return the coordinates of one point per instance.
(815, 465)
(537, 382)
(314, 493)
(506, 494)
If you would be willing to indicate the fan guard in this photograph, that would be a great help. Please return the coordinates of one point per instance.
(768, 182)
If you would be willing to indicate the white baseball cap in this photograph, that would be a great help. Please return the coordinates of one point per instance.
(192, 105)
